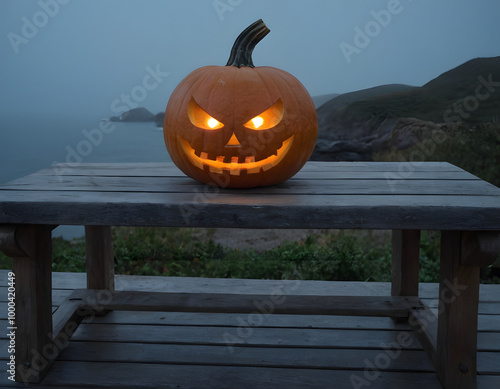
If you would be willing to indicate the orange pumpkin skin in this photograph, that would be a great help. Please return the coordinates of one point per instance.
(232, 155)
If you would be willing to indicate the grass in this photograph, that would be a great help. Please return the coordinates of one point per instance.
(179, 252)
(474, 148)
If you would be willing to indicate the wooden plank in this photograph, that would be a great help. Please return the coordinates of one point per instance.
(313, 174)
(244, 336)
(123, 351)
(456, 350)
(235, 320)
(266, 304)
(99, 256)
(300, 358)
(425, 326)
(486, 308)
(403, 168)
(241, 211)
(64, 282)
(309, 164)
(400, 360)
(405, 262)
(488, 363)
(310, 170)
(487, 382)
(488, 319)
(487, 323)
(328, 186)
(259, 336)
(123, 375)
(490, 323)
(66, 320)
(33, 320)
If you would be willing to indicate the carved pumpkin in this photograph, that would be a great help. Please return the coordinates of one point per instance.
(240, 126)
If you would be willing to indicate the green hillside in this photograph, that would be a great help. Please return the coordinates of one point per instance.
(468, 93)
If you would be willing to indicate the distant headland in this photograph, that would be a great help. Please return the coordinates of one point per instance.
(139, 114)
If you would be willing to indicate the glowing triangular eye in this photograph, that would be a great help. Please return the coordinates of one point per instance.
(267, 119)
(200, 118)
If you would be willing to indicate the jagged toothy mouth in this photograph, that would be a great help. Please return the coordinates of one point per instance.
(235, 167)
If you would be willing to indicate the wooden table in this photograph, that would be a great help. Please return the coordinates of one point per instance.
(403, 197)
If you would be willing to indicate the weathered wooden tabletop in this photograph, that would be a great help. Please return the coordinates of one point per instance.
(381, 195)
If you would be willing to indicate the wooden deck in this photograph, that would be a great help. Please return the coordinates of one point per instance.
(260, 350)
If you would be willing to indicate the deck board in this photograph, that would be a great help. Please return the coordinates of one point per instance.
(125, 375)
(169, 349)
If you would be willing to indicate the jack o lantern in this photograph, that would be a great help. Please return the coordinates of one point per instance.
(240, 126)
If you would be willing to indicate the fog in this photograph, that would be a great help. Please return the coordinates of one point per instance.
(93, 56)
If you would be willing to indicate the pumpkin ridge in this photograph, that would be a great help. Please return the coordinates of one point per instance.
(264, 81)
(283, 75)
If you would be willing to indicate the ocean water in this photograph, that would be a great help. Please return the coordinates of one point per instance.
(29, 143)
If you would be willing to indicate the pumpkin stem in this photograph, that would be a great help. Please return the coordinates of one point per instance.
(241, 53)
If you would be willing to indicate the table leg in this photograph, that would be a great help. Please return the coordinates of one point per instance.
(405, 262)
(33, 275)
(457, 320)
(100, 258)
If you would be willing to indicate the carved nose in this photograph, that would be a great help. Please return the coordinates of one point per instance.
(233, 141)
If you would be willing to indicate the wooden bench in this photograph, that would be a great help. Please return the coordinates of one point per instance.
(402, 197)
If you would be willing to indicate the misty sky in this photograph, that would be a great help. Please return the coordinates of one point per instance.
(86, 54)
